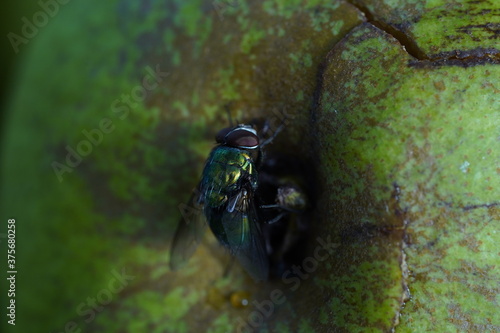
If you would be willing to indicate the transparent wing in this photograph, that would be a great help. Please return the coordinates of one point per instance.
(245, 239)
(189, 231)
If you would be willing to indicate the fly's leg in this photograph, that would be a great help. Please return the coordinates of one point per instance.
(259, 159)
(274, 135)
(266, 128)
(277, 218)
(289, 198)
(271, 206)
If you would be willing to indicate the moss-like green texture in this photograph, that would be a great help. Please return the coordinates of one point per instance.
(438, 28)
(91, 69)
(426, 135)
(407, 151)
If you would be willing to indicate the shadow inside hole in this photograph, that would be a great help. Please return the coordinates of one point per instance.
(286, 239)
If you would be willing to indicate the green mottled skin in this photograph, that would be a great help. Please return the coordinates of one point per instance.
(226, 171)
(436, 151)
(119, 207)
(440, 28)
(401, 145)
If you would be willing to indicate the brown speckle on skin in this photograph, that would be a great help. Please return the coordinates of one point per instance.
(440, 85)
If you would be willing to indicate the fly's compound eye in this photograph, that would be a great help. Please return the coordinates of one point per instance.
(242, 137)
(221, 136)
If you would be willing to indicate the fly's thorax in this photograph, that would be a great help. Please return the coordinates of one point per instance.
(227, 171)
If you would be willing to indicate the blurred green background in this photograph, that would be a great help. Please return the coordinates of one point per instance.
(12, 12)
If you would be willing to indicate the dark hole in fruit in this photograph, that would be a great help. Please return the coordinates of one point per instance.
(286, 239)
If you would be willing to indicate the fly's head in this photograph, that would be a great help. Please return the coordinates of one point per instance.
(241, 136)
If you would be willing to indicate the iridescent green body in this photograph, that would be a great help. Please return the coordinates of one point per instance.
(227, 194)
(228, 170)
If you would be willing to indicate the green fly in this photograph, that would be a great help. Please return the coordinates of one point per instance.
(226, 196)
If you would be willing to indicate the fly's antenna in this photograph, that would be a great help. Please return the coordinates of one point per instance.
(229, 118)
(275, 133)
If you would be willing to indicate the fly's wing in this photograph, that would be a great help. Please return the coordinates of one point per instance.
(245, 239)
(189, 231)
